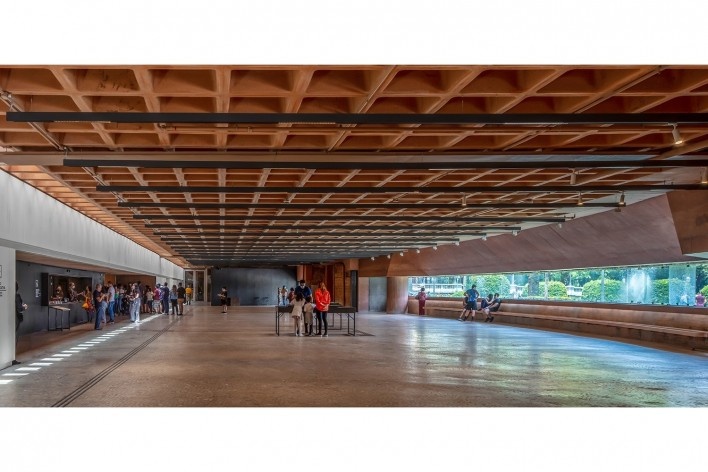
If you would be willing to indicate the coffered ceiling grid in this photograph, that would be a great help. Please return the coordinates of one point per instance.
(476, 89)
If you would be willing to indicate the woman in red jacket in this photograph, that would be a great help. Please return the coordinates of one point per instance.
(322, 301)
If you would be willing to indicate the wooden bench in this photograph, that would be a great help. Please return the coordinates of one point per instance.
(690, 338)
(678, 326)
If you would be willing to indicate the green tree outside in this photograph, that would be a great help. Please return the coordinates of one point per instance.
(592, 291)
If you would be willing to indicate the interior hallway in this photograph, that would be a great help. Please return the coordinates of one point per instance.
(209, 359)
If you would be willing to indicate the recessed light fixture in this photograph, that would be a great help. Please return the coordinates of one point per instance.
(515, 233)
(678, 140)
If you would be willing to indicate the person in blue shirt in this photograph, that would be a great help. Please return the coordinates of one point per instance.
(471, 305)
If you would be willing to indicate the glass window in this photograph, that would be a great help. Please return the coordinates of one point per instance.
(665, 284)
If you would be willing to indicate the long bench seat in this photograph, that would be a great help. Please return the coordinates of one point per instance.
(678, 326)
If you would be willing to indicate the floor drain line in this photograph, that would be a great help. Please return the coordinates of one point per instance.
(100, 376)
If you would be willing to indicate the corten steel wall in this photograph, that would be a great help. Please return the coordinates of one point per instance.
(251, 286)
(642, 233)
(690, 214)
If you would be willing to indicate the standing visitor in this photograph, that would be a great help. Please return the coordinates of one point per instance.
(157, 299)
(471, 307)
(296, 314)
(322, 301)
(307, 315)
(165, 298)
(88, 303)
(20, 308)
(135, 300)
(188, 293)
(303, 290)
(421, 297)
(99, 301)
(181, 294)
(223, 296)
(111, 301)
(700, 299)
(173, 300)
(283, 294)
(149, 297)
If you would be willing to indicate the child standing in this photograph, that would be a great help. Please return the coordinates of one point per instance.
(307, 315)
(298, 305)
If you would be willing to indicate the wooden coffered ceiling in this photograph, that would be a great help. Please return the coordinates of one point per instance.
(239, 192)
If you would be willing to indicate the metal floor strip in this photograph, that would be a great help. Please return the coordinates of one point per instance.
(100, 376)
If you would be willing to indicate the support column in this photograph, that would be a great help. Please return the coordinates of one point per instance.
(397, 295)
(7, 306)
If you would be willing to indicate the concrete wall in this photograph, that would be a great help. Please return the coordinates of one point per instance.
(377, 294)
(7, 306)
(251, 286)
(34, 222)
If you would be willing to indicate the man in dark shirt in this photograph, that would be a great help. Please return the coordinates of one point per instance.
(165, 298)
(303, 290)
(180, 298)
(494, 307)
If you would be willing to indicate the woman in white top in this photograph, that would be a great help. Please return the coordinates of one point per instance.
(298, 303)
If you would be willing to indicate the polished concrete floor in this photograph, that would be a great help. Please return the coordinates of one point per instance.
(206, 358)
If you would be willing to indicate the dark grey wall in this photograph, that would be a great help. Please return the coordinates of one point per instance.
(29, 276)
(251, 286)
(377, 294)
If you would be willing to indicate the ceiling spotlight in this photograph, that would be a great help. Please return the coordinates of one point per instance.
(678, 140)
(388, 256)
(704, 176)
(401, 253)
(560, 225)
(457, 243)
(464, 200)
(621, 202)
(580, 199)
(372, 258)
(515, 233)
(573, 177)
(484, 238)
(417, 251)
(435, 248)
